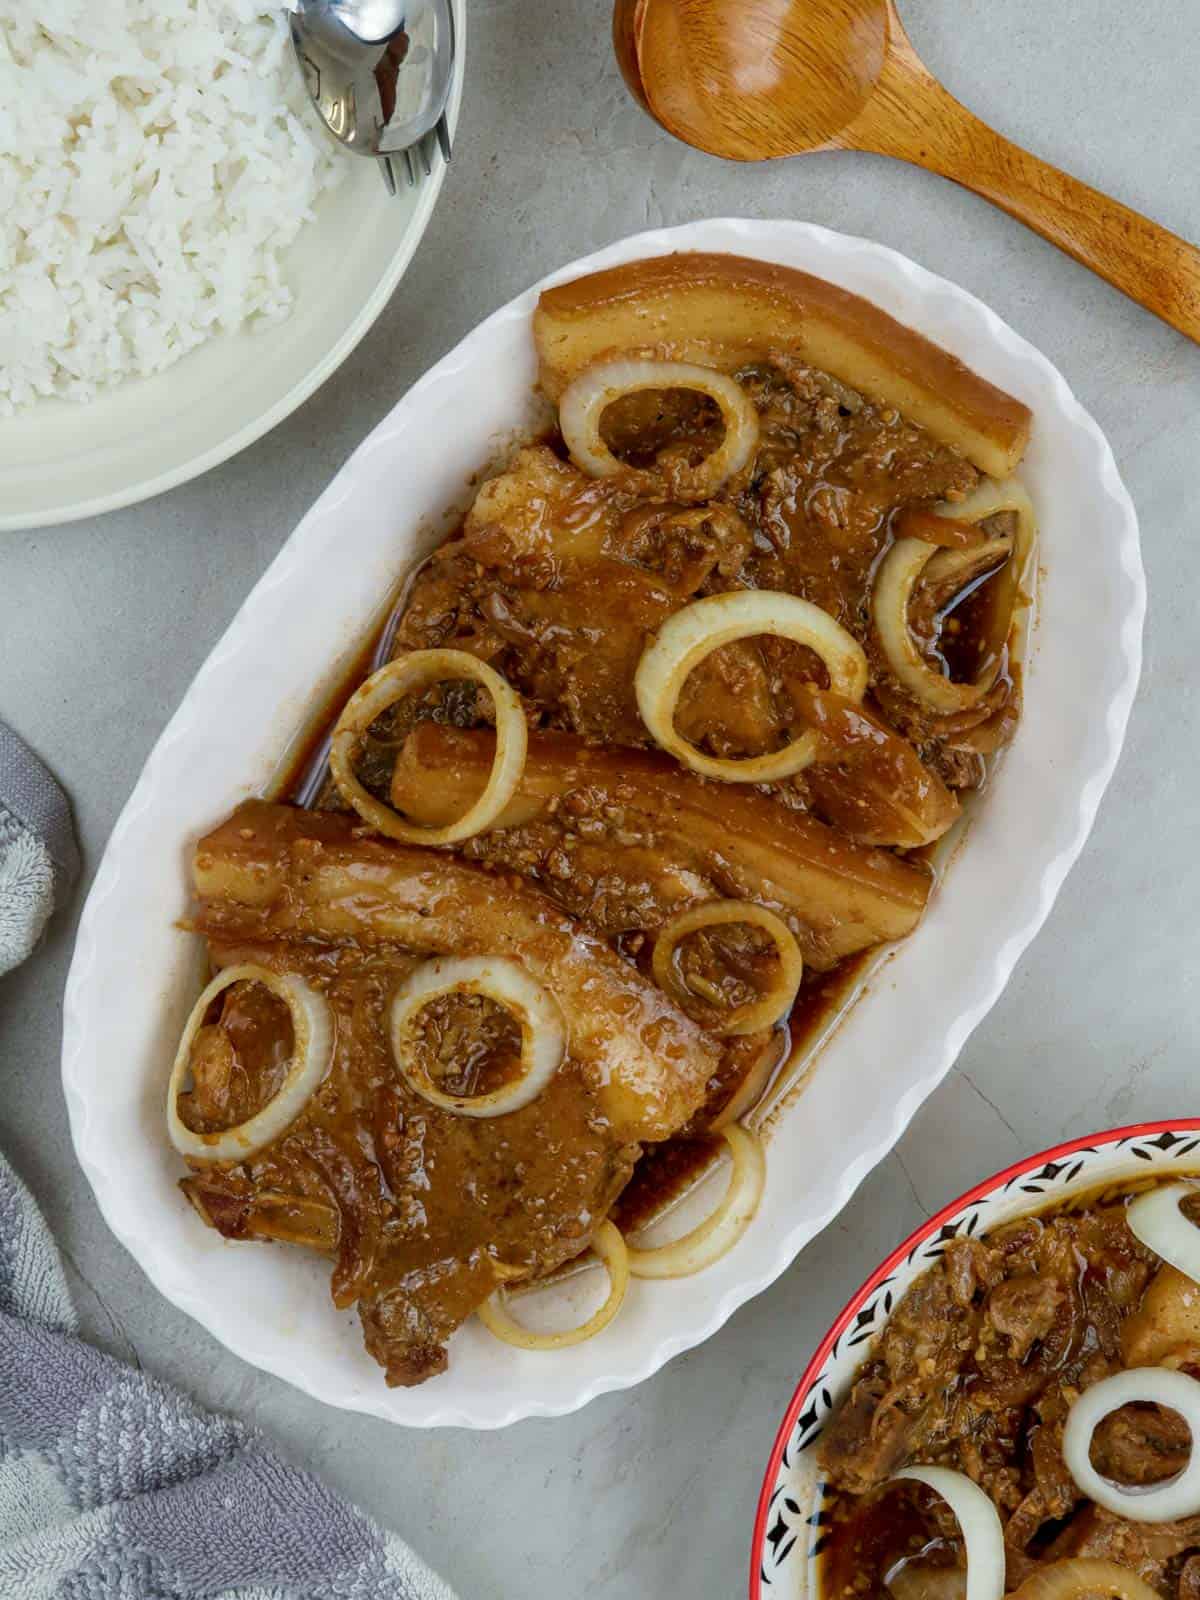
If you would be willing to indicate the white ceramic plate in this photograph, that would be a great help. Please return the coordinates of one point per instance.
(307, 615)
(60, 461)
(787, 1538)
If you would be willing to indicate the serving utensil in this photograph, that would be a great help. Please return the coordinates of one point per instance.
(316, 774)
(754, 79)
(379, 74)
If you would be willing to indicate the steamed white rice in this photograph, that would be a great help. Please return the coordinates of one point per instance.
(157, 158)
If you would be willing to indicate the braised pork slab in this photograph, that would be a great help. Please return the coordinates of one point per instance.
(424, 1211)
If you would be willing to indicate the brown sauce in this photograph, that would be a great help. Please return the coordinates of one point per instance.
(239, 1058)
(467, 1044)
(883, 1534)
(967, 628)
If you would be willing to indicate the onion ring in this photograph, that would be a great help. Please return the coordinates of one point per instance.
(311, 1049)
(609, 1246)
(936, 527)
(695, 631)
(763, 1013)
(717, 1234)
(543, 1032)
(1159, 1502)
(1076, 1576)
(585, 400)
(898, 576)
(419, 670)
(989, 499)
(979, 1521)
(901, 570)
(1155, 1219)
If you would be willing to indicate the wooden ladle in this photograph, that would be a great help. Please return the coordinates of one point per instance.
(751, 79)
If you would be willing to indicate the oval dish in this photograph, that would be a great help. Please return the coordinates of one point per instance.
(389, 504)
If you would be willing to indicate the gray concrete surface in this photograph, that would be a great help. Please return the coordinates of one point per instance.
(102, 626)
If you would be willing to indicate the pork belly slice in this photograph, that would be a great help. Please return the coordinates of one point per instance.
(727, 311)
(272, 872)
(547, 584)
(425, 1212)
(422, 1213)
(542, 586)
(624, 839)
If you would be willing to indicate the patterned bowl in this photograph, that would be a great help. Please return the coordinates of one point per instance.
(787, 1531)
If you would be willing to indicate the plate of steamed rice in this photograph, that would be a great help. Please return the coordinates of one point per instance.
(185, 253)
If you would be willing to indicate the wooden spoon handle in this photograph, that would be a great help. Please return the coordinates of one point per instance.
(914, 118)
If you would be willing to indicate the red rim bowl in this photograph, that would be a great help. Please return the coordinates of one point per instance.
(1001, 1180)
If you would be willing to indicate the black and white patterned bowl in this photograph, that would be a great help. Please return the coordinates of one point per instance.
(788, 1532)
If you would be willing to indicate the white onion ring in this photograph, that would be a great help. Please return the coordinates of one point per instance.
(695, 631)
(312, 1046)
(588, 396)
(1159, 1502)
(1155, 1219)
(901, 570)
(543, 1032)
(762, 1013)
(895, 582)
(979, 1522)
(1076, 1576)
(610, 1248)
(989, 499)
(717, 1234)
(420, 669)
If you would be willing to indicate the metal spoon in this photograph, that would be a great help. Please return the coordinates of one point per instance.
(378, 72)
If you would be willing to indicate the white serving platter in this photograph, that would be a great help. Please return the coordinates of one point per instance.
(288, 646)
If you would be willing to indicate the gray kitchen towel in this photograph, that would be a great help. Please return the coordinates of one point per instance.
(115, 1487)
(112, 1485)
(38, 857)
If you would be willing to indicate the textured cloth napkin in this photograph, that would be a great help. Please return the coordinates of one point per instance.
(38, 858)
(112, 1485)
(115, 1487)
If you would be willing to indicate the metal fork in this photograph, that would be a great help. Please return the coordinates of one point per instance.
(378, 71)
(422, 152)
(424, 146)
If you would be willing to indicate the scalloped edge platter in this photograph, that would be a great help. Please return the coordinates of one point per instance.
(290, 644)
